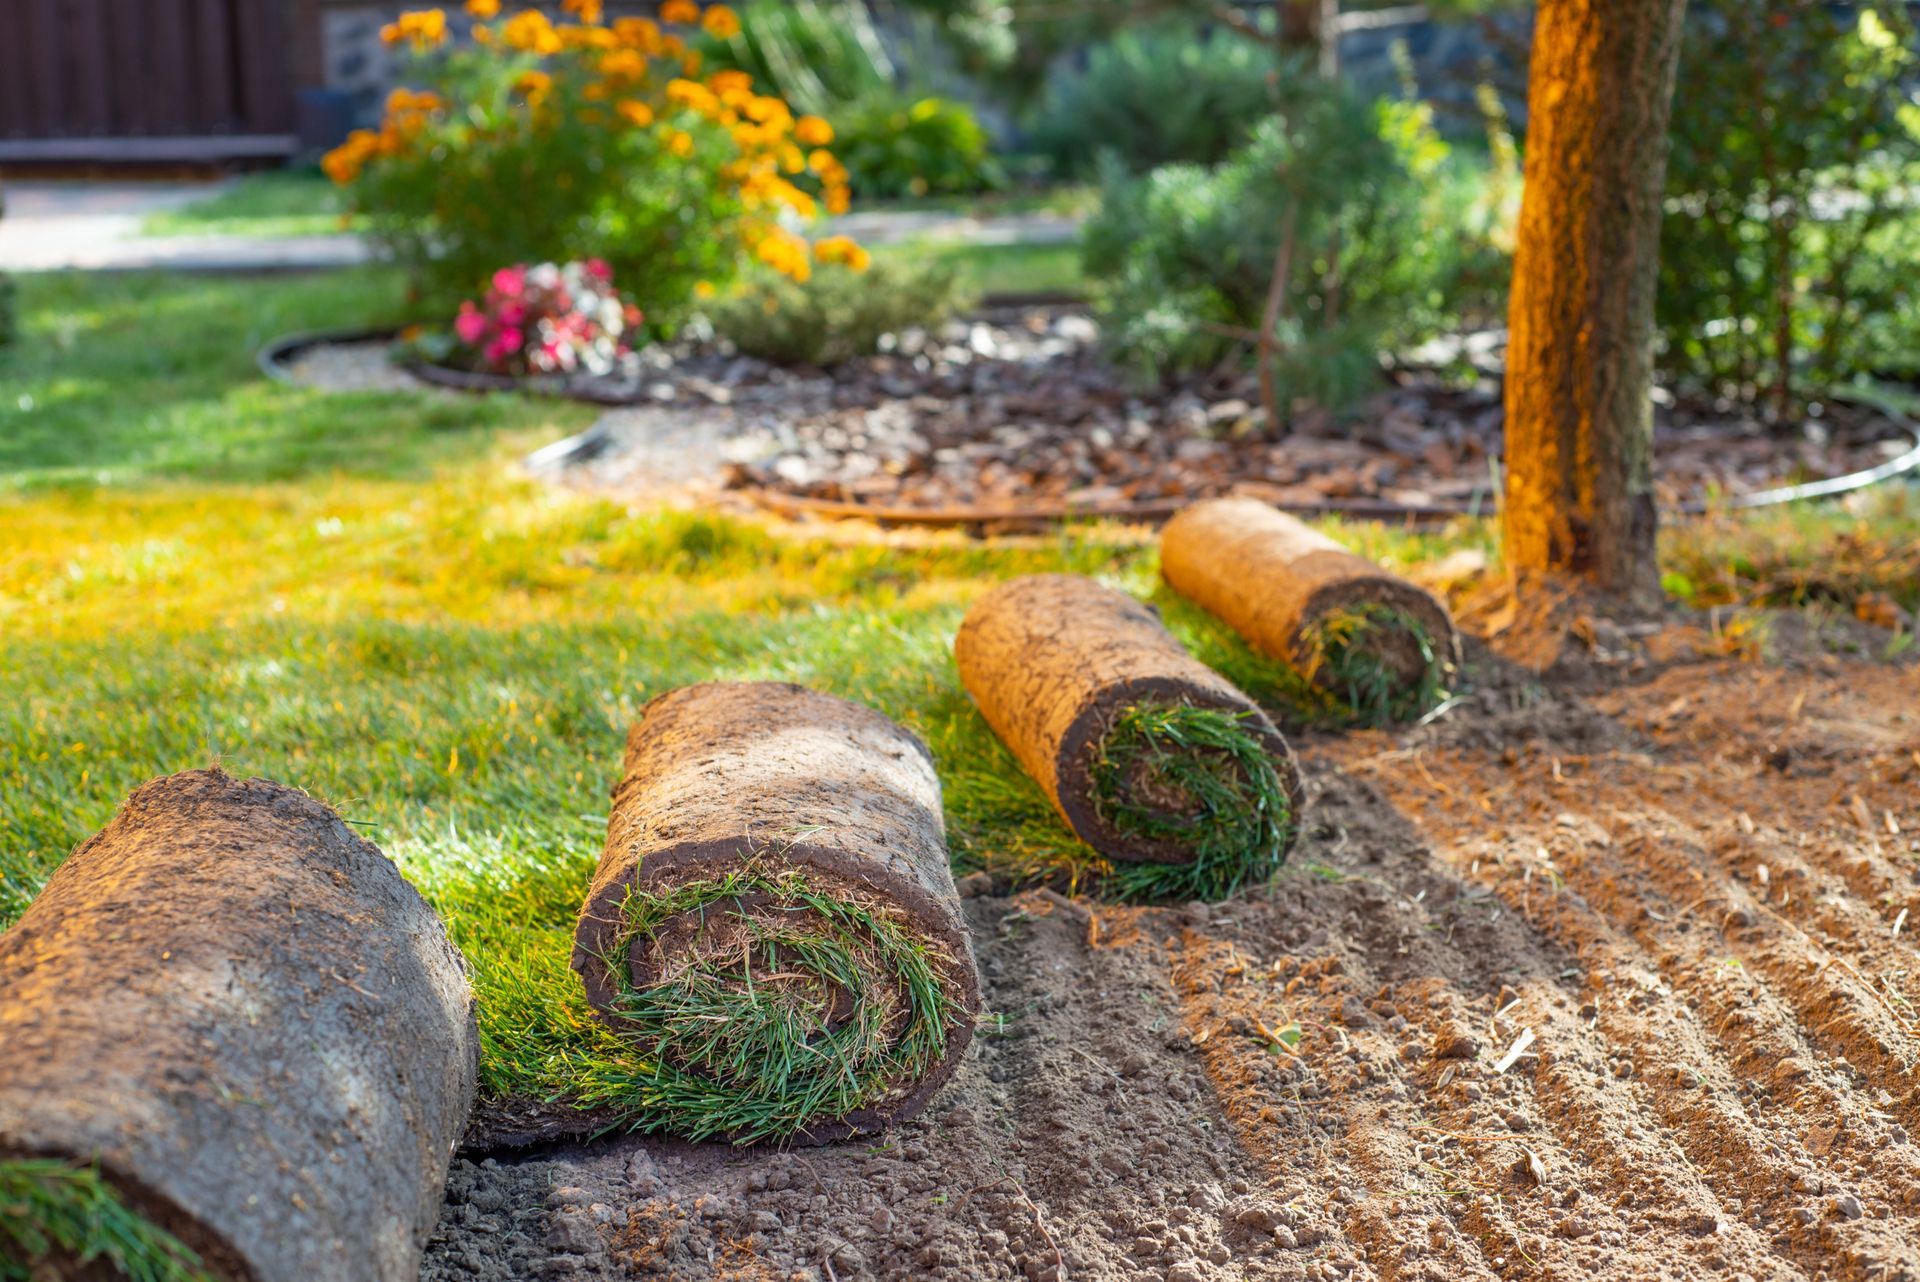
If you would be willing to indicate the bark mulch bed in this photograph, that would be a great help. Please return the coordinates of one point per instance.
(1017, 409)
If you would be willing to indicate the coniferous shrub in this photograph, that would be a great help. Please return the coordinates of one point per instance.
(1360, 199)
(1793, 200)
(1154, 97)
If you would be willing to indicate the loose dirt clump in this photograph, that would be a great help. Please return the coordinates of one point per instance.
(1608, 972)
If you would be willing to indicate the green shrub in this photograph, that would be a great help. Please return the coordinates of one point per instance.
(840, 313)
(1792, 223)
(829, 59)
(895, 146)
(1382, 233)
(544, 142)
(1151, 98)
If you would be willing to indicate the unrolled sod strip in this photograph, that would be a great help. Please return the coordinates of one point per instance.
(773, 924)
(229, 1024)
(1376, 643)
(1153, 759)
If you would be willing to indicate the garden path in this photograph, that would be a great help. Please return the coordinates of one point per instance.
(89, 226)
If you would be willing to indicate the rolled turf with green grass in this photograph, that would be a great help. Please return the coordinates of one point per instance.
(1170, 773)
(773, 928)
(1372, 647)
(235, 1044)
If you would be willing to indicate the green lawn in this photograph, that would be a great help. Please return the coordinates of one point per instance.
(274, 202)
(357, 595)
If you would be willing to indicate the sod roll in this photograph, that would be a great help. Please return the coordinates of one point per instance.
(236, 1016)
(1369, 639)
(773, 922)
(1153, 759)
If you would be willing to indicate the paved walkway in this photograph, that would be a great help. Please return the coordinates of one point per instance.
(52, 226)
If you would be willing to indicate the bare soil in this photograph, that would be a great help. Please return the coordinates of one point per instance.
(1606, 973)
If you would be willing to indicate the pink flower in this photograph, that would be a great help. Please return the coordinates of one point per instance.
(511, 281)
(504, 344)
(513, 314)
(470, 325)
(598, 269)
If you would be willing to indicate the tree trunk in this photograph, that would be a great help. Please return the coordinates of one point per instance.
(1313, 27)
(1579, 417)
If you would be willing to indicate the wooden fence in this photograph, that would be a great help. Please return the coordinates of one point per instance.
(144, 79)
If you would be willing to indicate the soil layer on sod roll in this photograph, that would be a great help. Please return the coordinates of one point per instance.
(1374, 642)
(229, 1020)
(773, 923)
(1153, 759)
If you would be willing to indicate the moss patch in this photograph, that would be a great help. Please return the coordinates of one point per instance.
(49, 1207)
(1169, 772)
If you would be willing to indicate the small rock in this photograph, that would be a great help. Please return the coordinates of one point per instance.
(974, 885)
(1847, 1207)
(573, 1231)
(1186, 1271)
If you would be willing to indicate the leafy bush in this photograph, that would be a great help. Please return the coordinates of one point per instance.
(841, 313)
(1155, 97)
(831, 60)
(1359, 200)
(1791, 219)
(542, 142)
(895, 146)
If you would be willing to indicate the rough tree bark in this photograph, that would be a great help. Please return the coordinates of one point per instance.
(1579, 423)
(1313, 27)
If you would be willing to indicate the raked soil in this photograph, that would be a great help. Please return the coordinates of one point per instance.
(1606, 973)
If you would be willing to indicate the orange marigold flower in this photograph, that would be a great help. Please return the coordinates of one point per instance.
(730, 82)
(812, 131)
(767, 110)
(588, 11)
(842, 249)
(623, 64)
(344, 163)
(635, 112)
(530, 31)
(839, 199)
(704, 289)
(680, 143)
(690, 65)
(680, 11)
(637, 33)
(534, 85)
(691, 93)
(484, 9)
(423, 28)
(720, 22)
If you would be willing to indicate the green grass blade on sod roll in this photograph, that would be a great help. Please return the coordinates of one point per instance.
(773, 930)
(1371, 648)
(61, 1219)
(1171, 774)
